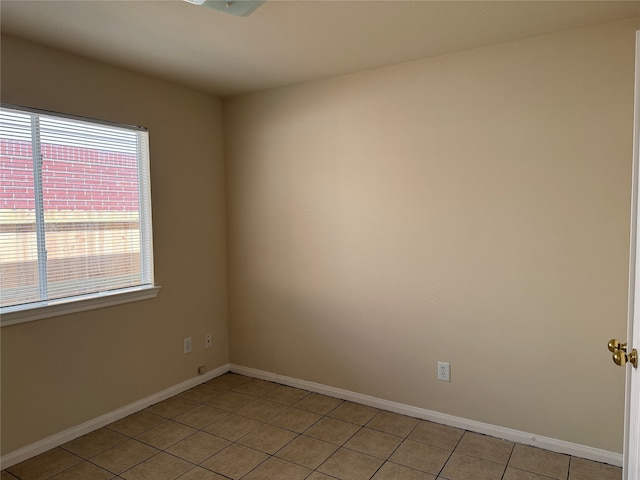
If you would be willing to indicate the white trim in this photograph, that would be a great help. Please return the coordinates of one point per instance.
(54, 308)
(631, 467)
(552, 444)
(72, 433)
(547, 443)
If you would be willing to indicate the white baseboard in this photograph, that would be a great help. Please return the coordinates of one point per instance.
(552, 444)
(72, 433)
(547, 443)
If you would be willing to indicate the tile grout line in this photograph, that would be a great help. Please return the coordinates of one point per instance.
(450, 455)
(504, 474)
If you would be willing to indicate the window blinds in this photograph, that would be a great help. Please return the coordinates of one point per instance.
(75, 208)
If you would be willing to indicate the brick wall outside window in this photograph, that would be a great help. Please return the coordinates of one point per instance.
(74, 178)
(90, 200)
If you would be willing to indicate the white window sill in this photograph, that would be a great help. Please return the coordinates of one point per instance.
(54, 308)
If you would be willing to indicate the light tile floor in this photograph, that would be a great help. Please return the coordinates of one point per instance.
(236, 427)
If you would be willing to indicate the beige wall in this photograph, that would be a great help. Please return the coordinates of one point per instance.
(59, 372)
(471, 208)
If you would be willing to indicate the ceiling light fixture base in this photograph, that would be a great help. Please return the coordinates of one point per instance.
(238, 8)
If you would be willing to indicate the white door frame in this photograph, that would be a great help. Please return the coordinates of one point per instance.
(631, 457)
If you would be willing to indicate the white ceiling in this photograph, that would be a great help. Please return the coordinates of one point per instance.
(286, 42)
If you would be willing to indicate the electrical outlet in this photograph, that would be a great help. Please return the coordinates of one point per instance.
(207, 341)
(187, 345)
(444, 372)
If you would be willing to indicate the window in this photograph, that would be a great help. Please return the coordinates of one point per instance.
(75, 214)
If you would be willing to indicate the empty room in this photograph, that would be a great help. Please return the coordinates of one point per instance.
(317, 240)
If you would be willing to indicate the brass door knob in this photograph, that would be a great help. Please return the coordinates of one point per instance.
(616, 345)
(620, 356)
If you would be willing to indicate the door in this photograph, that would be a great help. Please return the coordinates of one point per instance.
(631, 461)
